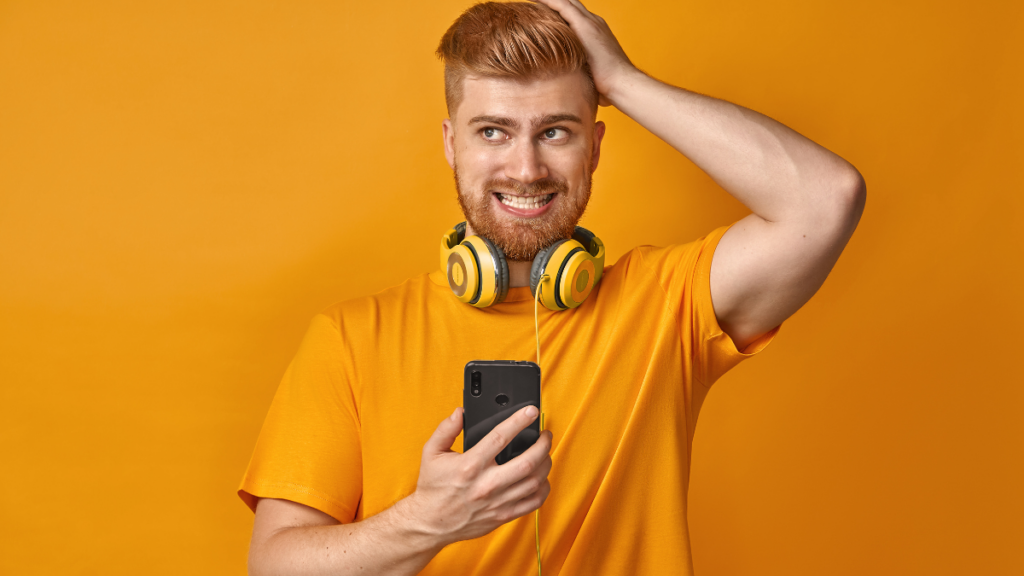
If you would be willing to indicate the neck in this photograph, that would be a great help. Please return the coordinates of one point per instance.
(518, 270)
(519, 273)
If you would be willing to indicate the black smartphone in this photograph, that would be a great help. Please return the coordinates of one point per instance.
(492, 391)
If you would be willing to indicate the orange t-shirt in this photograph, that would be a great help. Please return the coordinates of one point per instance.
(623, 377)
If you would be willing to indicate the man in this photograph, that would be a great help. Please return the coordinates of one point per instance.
(341, 481)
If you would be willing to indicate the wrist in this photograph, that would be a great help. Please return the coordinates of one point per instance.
(424, 531)
(621, 84)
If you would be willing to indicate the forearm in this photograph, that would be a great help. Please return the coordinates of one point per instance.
(459, 496)
(777, 173)
(389, 543)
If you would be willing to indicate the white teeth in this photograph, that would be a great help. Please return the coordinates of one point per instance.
(527, 203)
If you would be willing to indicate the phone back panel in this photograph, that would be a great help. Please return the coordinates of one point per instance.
(503, 386)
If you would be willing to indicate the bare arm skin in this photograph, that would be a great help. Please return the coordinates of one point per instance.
(290, 538)
(457, 497)
(806, 201)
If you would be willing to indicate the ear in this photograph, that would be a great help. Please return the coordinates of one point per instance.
(595, 154)
(448, 132)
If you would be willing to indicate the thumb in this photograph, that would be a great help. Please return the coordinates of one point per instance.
(447, 431)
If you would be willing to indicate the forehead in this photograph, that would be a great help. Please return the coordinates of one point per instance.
(523, 99)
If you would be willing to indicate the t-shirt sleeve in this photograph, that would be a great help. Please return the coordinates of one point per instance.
(684, 272)
(309, 448)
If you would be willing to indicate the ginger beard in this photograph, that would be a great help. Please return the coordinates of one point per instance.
(522, 238)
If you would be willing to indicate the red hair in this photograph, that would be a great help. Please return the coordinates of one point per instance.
(510, 40)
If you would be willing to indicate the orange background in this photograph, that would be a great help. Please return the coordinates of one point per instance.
(184, 184)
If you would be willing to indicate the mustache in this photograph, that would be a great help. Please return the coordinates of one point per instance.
(538, 188)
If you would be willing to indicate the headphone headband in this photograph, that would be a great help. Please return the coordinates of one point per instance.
(453, 236)
(589, 241)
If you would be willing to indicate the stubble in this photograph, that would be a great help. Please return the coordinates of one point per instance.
(522, 238)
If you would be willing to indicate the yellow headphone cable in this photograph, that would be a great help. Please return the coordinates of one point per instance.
(536, 327)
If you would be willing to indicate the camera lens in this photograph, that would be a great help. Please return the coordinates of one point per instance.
(475, 387)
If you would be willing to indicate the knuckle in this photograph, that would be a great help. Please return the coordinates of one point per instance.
(491, 489)
(466, 472)
(486, 490)
(546, 465)
(478, 494)
(533, 484)
(498, 439)
(526, 466)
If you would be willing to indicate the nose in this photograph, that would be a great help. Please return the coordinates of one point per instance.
(524, 163)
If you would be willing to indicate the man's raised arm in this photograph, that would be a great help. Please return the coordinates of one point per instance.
(806, 201)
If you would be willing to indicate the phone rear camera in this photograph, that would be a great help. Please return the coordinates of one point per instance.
(501, 399)
(475, 387)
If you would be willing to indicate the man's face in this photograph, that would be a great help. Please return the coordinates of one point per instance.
(523, 153)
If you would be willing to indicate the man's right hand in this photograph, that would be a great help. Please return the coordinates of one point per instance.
(457, 497)
(464, 496)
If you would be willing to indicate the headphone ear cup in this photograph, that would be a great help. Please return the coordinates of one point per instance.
(462, 271)
(540, 262)
(501, 270)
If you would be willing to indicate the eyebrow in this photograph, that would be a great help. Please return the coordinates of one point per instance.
(512, 123)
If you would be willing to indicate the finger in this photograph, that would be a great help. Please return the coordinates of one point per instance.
(525, 464)
(575, 14)
(566, 9)
(444, 436)
(499, 437)
(531, 502)
(579, 6)
(528, 485)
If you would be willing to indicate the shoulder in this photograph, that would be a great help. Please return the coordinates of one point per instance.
(373, 309)
(681, 254)
(667, 263)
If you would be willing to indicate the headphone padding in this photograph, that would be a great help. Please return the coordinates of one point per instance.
(561, 268)
(584, 237)
(501, 268)
(479, 280)
(540, 261)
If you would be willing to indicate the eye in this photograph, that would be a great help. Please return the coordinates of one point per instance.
(491, 133)
(555, 133)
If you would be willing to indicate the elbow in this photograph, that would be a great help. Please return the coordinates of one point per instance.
(255, 565)
(856, 193)
(261, 560)
(849, 194)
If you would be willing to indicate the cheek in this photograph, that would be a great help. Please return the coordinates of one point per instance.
(571, 164)
(476, 165)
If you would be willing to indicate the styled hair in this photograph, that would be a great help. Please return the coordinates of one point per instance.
(510, 40)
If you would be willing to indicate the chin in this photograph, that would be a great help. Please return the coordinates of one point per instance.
(525, 227)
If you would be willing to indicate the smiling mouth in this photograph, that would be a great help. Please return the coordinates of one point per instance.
(524, 202)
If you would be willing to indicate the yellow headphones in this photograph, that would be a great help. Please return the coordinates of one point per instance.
(478, 272)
